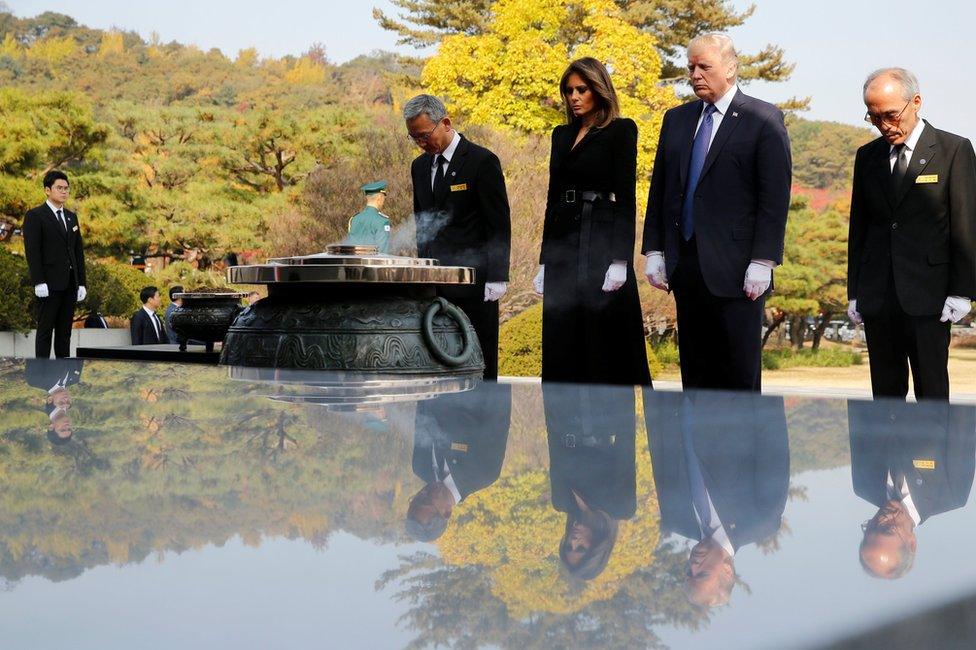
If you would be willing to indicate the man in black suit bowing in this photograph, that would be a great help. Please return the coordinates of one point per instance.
(912, 245)
(145, 328)
(462, 215)
(56, 262)
(911, 461)
(716, 218)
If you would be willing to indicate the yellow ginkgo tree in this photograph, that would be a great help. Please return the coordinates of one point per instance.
(508, 76)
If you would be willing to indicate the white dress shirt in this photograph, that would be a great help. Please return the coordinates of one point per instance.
(153, 319)
(448, 155)
(904, 495)
(722, 105)
(61, 220)
(444, 473)
(910, 144)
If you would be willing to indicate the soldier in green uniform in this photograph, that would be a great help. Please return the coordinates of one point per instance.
(371, 227)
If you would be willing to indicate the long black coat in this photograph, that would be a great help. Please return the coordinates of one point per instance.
(589, 335)
(54, 257)
(924, 235)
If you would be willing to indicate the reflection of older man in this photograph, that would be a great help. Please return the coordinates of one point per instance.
(59, 430)
(912, 461)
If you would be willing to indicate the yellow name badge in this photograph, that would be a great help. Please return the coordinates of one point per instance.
(923, 464)
(459, 188)
(930, 178)
(458, 446)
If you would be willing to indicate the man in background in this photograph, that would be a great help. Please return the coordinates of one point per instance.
(145, 327)
(56, 262)
(371, 227)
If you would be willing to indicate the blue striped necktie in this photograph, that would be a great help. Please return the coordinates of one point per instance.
(699, 150)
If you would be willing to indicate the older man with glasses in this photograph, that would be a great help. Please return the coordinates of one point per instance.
(912, 244)
(462, 215)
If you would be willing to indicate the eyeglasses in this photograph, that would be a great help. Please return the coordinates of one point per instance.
(61, 188)
(424, 137)
(887, 118)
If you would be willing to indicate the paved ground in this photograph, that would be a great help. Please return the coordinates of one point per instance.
(852, 381)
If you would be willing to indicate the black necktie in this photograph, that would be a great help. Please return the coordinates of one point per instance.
(439, 172)
(900, 169)
(64, 225)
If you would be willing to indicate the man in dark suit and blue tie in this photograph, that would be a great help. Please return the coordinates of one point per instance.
(145, 327)
(912, 246)
(716, 218)
(56, 261)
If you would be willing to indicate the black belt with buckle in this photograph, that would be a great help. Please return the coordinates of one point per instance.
(572, 196)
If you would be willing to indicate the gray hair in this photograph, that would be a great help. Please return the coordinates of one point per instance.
(720, 41)
(433, 107)
(908, 81)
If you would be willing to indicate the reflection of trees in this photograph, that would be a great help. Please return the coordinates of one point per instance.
(169, 458)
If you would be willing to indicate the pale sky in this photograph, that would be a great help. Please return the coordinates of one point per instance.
(835, 43)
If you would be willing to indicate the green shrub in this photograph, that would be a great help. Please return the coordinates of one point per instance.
(17, 307)
(520, 346)
(113, 288)
(823, 358)
(667, 352)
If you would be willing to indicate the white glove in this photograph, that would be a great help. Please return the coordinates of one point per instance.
(853, 313)
(41, 291)
(758, 277)
(955, 309)
(495, 290)
(616, 276)
(656, 271)
(82, 292)
(538, 280)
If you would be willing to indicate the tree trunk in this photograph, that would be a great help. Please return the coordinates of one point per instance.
(798, 328)
(821, 326)
(772, 327)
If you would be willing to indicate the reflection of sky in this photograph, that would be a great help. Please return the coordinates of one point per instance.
(283, 592)
(814, 589)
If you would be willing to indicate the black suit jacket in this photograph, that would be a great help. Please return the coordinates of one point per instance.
(54, 257)
(741, 442)
(45, 373)
(932, 443)
(468, 223)
(469, 430)
(142, 331)
(743, 194)
(925, 233)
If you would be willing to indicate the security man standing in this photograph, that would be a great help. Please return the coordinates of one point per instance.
(371, 227)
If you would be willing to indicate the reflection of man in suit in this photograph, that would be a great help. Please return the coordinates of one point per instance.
(56, 260)
(912, 244)
(458, 449)
(462, 214)
(716, 218)
(912, 461)
(722, 472)
(55, 376)
(591, 469)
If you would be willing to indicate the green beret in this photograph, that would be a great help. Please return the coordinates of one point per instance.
(373, 188)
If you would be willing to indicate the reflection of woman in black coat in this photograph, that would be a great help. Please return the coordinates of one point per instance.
(592, 330)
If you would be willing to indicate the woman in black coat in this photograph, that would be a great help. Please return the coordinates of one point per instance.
(592, 329)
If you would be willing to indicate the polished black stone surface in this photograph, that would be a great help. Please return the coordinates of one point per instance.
(161, 506)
